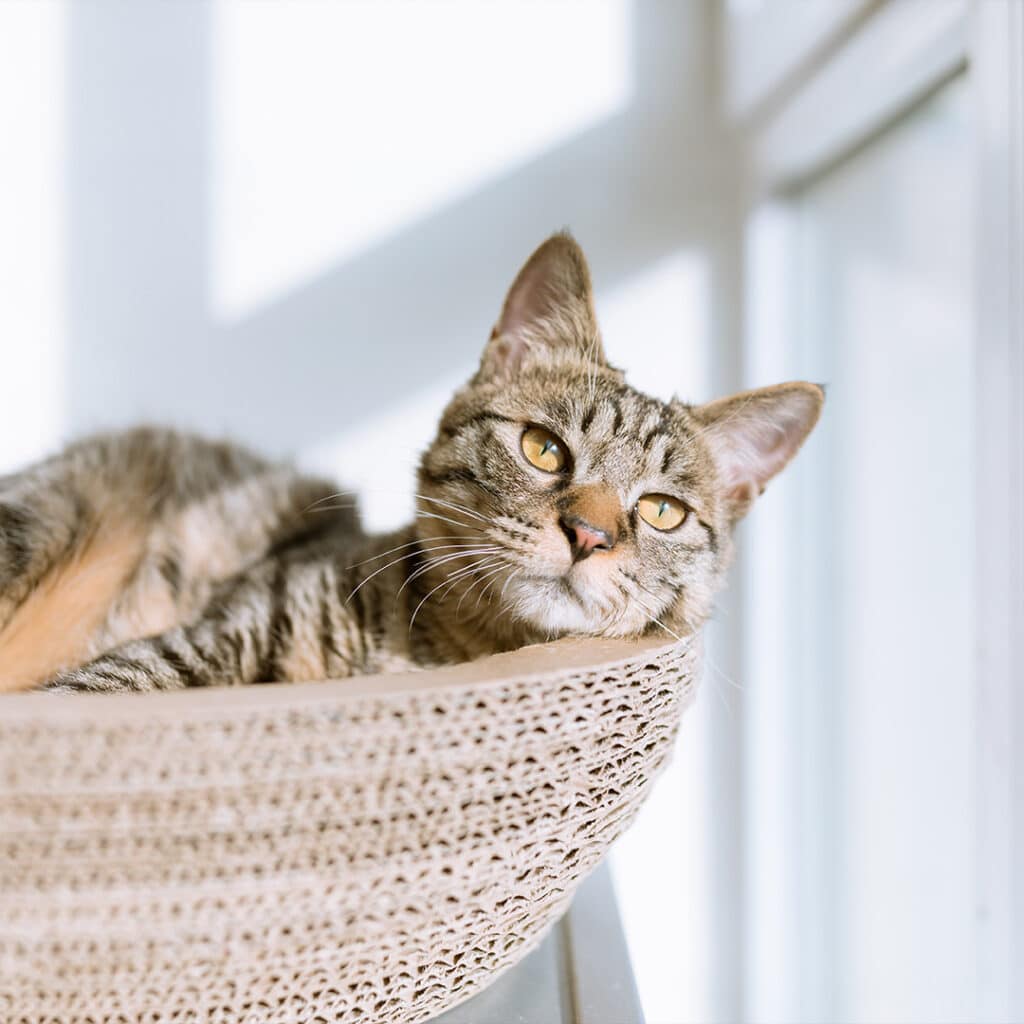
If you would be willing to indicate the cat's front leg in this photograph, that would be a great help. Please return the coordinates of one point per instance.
(170, 661)
(279, 621)
(227, 645)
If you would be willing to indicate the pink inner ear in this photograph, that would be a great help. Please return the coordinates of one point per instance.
(742, 465)
(549, 305)
(529, 301)
(551, 285)
(753, 436)
(506, 350)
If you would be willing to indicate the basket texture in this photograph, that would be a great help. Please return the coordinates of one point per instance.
(370, 850)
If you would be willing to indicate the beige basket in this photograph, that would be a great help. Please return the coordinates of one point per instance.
(372, 850)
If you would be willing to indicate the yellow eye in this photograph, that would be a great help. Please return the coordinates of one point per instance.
(543, 450)
(661, 511)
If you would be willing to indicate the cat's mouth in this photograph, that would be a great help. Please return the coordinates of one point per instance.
(572, 583)
(564, 580)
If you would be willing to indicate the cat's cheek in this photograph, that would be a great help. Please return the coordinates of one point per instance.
(550, 554)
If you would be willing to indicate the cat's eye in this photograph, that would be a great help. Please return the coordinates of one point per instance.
(661, 511)
(543, 450)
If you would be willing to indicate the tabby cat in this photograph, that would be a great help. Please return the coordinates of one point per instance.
(555, 500)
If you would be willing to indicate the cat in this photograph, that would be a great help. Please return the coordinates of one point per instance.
(555, 500)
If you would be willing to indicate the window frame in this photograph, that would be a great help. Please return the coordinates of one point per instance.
(997, 62)
(906, 51)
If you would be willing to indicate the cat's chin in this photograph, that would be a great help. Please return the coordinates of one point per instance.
(554, 606)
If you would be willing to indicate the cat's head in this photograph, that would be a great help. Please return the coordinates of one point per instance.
(583, 506)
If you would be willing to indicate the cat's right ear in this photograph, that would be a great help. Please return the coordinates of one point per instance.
(550, 307)
(754, 434)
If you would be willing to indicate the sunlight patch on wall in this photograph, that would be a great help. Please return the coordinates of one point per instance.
(31, 241)
(655, 327)
(336, 124)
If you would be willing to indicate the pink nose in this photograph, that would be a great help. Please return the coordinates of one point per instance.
(584, 538)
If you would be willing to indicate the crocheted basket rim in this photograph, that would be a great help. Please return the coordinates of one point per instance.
(371, 850)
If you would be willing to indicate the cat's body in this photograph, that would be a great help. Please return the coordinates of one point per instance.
(153, 533)
(555, 500)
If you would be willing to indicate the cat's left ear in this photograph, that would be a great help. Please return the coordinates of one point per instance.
(754, 434)
(549, 307)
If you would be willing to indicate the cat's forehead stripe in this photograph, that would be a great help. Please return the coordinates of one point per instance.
(633, 418)
(606, 425)
(617, 422)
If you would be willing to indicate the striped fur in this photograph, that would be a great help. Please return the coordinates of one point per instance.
(154, 560)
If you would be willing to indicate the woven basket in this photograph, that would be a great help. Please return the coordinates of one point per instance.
(366, 850)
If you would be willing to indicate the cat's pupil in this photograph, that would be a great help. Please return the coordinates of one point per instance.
(661, 508)
(546, 448)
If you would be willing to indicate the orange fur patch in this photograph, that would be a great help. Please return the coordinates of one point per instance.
(53, 628)
(598, 506)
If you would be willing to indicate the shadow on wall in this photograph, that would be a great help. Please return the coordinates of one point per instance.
(145, 343)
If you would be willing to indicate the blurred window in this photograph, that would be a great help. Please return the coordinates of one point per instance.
(861, 895)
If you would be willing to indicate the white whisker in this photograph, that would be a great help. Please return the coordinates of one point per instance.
(421, 514)
(650, 611)
(431, 563)
(417, 543)
(516, 573)
(450, 580)
(328, 497)
(331, 508)
(377, 572)
(721, 674)
(453, 506)
(502, 565)
(490, 577)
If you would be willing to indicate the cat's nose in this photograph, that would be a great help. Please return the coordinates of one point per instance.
(585, 539)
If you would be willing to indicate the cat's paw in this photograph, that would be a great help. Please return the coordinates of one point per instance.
(85, 680)
(71, 681)
(136, 667)
(56, 685)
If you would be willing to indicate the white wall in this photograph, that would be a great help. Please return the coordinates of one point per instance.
(213, 280)
(295, 222)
